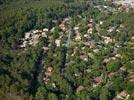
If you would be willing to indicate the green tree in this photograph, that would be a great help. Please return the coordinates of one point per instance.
(41, 93)
(104, 94)
(52, 96)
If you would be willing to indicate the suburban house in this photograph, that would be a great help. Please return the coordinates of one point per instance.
(97, 81)
(124, 95)
(48, 74)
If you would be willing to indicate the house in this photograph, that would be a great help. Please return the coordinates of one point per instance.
(117, 45)
(45, 49)
(35, 38)
(131, 81)
(87, 39)
(112, 58)
(123, 68)
(66, 19)
(54, 21)
(91, 44)
(52, 30)
(117, 30)
(27, 35)
(109, 83)
(107, 39)
(118, 56)
(90, 25)
(57, 42)
(77, 75)
(91, 55)
(49, 69)
(90, 30)
(131, 78)
(35, 31)
(84, 57)
(33, 42)
(80, 88)
(53, 85)
(46, 80)
(97, 81)
(122, 26)
(48, 74)
(87, 43)
(124, 95)
(83, 48)
(43, 34)
(79, 16)
(106, 60)
(74, 51)
(62, 26)
(112, 74)
(69, 63)
(115, 50)
(132, 61)
(101, 22)
(24, 44)
(111, 29)
(76, 28)
(45, 30)
(96, 50)
(91, 20)
(132, 38)
(78, 36)
(88, 70)
(106, 7)
(86, 35)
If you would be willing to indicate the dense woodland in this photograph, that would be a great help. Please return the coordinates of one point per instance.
(22, 70)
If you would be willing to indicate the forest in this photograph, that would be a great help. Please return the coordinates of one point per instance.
(97, 64)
